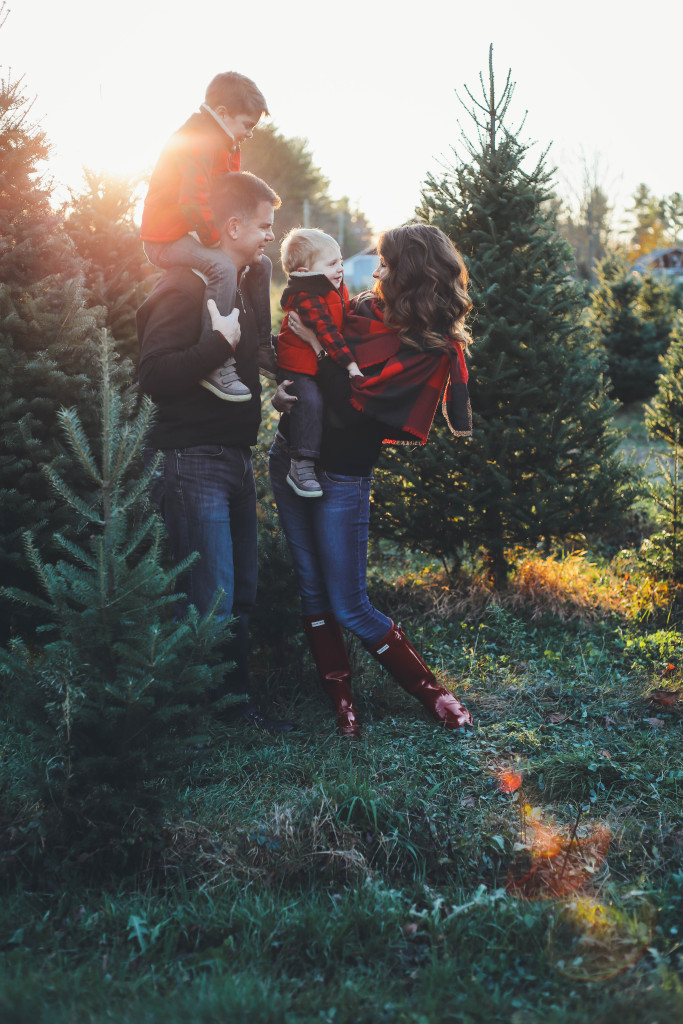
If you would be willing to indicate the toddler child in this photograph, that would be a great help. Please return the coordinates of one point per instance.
(178, 228)
(316, 290)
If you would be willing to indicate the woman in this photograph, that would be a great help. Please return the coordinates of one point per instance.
(408, 337)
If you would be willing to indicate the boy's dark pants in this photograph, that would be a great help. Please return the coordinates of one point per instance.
(306, 415)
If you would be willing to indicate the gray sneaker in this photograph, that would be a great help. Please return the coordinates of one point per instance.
(302, 479)
(225, 383)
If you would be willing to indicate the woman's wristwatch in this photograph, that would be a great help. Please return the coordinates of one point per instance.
(322, 354)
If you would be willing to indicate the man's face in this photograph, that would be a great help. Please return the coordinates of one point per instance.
(240, 126)
(251, 236)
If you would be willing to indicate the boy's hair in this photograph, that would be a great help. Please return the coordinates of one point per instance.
(237, 93)
(238, 195)
(303, 246)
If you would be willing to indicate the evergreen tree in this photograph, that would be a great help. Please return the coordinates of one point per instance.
(118, 682)
(631, 317)
(664, 415)
(541, 462)
(99, 219)
(662, 552)
(47, 336)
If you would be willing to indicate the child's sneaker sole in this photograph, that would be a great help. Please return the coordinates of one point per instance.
(304, 494)
(222, 394)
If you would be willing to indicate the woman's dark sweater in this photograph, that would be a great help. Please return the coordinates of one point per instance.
(351, 442)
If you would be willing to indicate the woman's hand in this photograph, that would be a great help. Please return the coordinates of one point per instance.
(281, 401)
(228, 326)
(305, 333)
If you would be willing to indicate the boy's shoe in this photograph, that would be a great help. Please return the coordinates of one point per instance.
(302, 479)
(225, 383)
(267, 360)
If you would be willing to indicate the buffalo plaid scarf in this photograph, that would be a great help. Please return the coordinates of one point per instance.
(406, 392)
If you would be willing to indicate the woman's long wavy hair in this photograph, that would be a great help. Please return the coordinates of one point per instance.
(425, 291)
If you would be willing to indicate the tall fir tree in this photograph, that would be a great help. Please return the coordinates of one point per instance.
(47, 335)
(99, 219)
(116, 681)
(541, 462)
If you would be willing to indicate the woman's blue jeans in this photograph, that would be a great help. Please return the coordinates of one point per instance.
(328, 539)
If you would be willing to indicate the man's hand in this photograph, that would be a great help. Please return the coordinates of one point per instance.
(281, 401)
(354, 370)
(229, 326)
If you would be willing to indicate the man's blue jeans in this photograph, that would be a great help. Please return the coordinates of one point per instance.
(207, 498)
(221, 276)
(328, 538)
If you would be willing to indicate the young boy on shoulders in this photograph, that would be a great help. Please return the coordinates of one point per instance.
(178, 228)
(316, 291)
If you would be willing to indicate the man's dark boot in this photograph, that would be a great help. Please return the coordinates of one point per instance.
(329, 652)
(250, 716)
(395, 653)
(236, 683)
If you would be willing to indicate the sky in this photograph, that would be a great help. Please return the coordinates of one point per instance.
(372, 87)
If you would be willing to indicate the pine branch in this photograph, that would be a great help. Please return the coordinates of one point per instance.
(87, 511)
(78, 442)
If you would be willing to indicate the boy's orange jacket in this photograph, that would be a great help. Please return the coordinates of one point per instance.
(178, 196)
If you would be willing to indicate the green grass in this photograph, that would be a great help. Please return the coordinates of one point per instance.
(309, 879)
(401, 879)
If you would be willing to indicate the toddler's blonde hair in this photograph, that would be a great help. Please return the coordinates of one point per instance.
(301, 247)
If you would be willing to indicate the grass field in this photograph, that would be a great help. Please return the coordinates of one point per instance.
(531, 870)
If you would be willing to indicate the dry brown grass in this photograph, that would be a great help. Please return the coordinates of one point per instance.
(570, 586)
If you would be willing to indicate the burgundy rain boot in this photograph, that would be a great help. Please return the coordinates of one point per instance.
(395, 653)
(329, 651)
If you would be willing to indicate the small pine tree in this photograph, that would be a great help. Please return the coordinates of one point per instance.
(662, 552)
(541, 462)
(119, 681)
(631, 317)
(664, 414)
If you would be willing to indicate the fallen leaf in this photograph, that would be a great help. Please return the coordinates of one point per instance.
(656, 723)
(468, 801)
(605, 753)
(609, 722)
(669, 670)
(557, 718)
(561, 869)
(509, 781)
(667, 698)
(409, 930)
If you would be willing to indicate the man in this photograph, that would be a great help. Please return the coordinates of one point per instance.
(206, 489)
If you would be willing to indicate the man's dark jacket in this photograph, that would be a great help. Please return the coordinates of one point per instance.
(173, 361)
